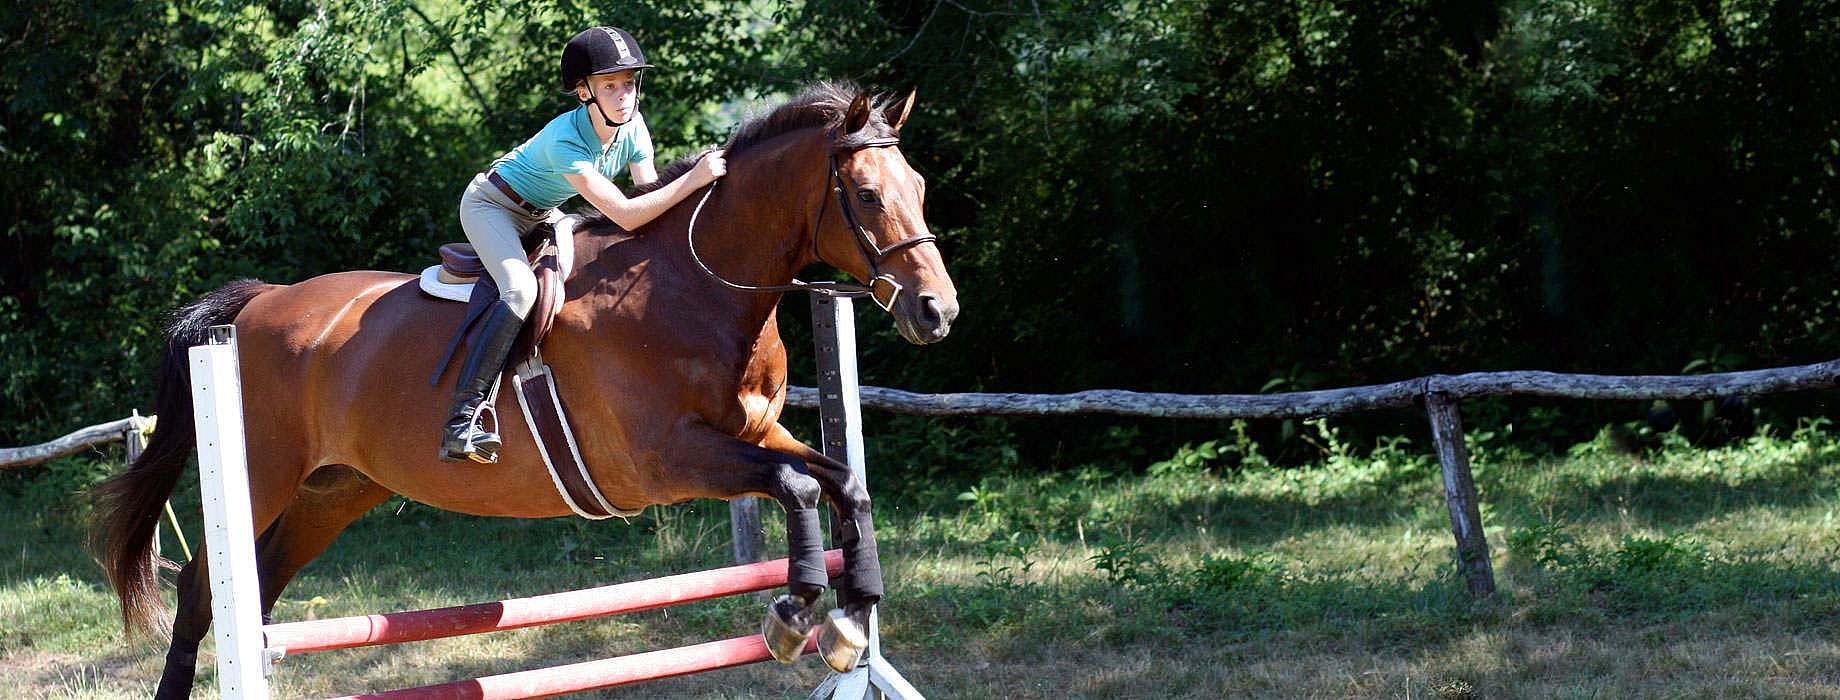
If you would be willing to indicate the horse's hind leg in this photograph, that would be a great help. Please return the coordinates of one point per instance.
(845, 634)
(191, 618)
(331, 498)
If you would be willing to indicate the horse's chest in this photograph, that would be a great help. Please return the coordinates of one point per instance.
(707, 373)
(727, 394)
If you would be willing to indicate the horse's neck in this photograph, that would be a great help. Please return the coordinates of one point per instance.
(751, 230)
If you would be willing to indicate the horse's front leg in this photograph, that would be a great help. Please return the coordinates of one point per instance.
(709, 464)
(845, 633)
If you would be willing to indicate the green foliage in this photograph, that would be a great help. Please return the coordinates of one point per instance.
(1546, 544)
(1155, 195)
(61, 483)
(1638, 572)
(1172, 196)
(1347, 554)
(1007, 562)
(1242, 451)
(938, 450)
(150, 152)
(1188, 459)
(1129, 564)
(1225, 574)
(982, 498)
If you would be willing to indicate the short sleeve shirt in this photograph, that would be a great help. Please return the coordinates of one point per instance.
(567, 145)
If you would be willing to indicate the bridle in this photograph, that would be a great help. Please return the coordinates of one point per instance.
(865, 242)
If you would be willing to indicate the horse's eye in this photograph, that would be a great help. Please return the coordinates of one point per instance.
(866, 195)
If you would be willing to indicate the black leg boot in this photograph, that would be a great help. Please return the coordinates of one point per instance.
(463, 437)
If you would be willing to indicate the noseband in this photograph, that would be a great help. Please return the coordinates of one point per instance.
(865, 242)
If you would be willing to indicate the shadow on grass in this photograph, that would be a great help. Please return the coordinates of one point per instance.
(129, 667)
(43, 543)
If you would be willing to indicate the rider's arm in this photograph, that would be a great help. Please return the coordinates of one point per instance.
(642, 172)
(632, 212)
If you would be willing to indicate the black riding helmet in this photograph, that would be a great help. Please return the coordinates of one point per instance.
(598, 51)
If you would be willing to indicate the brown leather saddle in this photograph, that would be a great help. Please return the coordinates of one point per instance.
(460, 265)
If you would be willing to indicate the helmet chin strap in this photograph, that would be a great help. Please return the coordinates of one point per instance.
(596, 101)
(604, 118)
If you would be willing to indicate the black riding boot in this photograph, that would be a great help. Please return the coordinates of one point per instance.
(463, 437)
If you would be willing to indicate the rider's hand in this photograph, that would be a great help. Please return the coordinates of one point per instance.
(712, 166)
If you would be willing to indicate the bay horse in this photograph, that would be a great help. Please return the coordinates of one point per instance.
(674, 376)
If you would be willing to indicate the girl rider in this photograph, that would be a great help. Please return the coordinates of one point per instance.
(578, 152)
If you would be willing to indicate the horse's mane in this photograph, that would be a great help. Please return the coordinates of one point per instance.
(821, 105)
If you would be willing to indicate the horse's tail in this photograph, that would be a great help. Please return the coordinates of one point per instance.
(128, 504)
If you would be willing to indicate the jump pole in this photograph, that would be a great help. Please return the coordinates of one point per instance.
(519, 613)
(833, 330)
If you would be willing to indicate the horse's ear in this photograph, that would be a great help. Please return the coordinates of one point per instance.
(896, 114)
(858, 115)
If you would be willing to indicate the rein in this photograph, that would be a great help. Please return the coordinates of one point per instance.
(865, 243)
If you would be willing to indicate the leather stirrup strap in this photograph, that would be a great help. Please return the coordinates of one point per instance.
(476, 312)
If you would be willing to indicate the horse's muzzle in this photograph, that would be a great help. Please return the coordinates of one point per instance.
(924, 318)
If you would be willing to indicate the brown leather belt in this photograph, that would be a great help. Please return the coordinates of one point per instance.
(505, 187)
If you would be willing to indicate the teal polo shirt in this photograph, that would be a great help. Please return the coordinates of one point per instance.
(567, 145)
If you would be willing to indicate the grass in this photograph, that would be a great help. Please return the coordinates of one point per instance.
(1673, 572)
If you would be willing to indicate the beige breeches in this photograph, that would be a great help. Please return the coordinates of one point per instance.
(494, 224)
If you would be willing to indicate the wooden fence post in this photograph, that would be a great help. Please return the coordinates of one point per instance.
(1460, 493)
(745, 530)
(136, 439)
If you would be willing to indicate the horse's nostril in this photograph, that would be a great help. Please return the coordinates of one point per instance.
(930, 311)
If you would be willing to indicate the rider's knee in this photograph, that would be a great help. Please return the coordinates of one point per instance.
(520, 294)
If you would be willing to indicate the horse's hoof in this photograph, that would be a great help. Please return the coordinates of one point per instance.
(841, 641)
(785, 628)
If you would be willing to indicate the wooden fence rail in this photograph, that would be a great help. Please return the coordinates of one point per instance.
(1401, 394)
(134, 429)
(78, 441)
(1438, 395)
